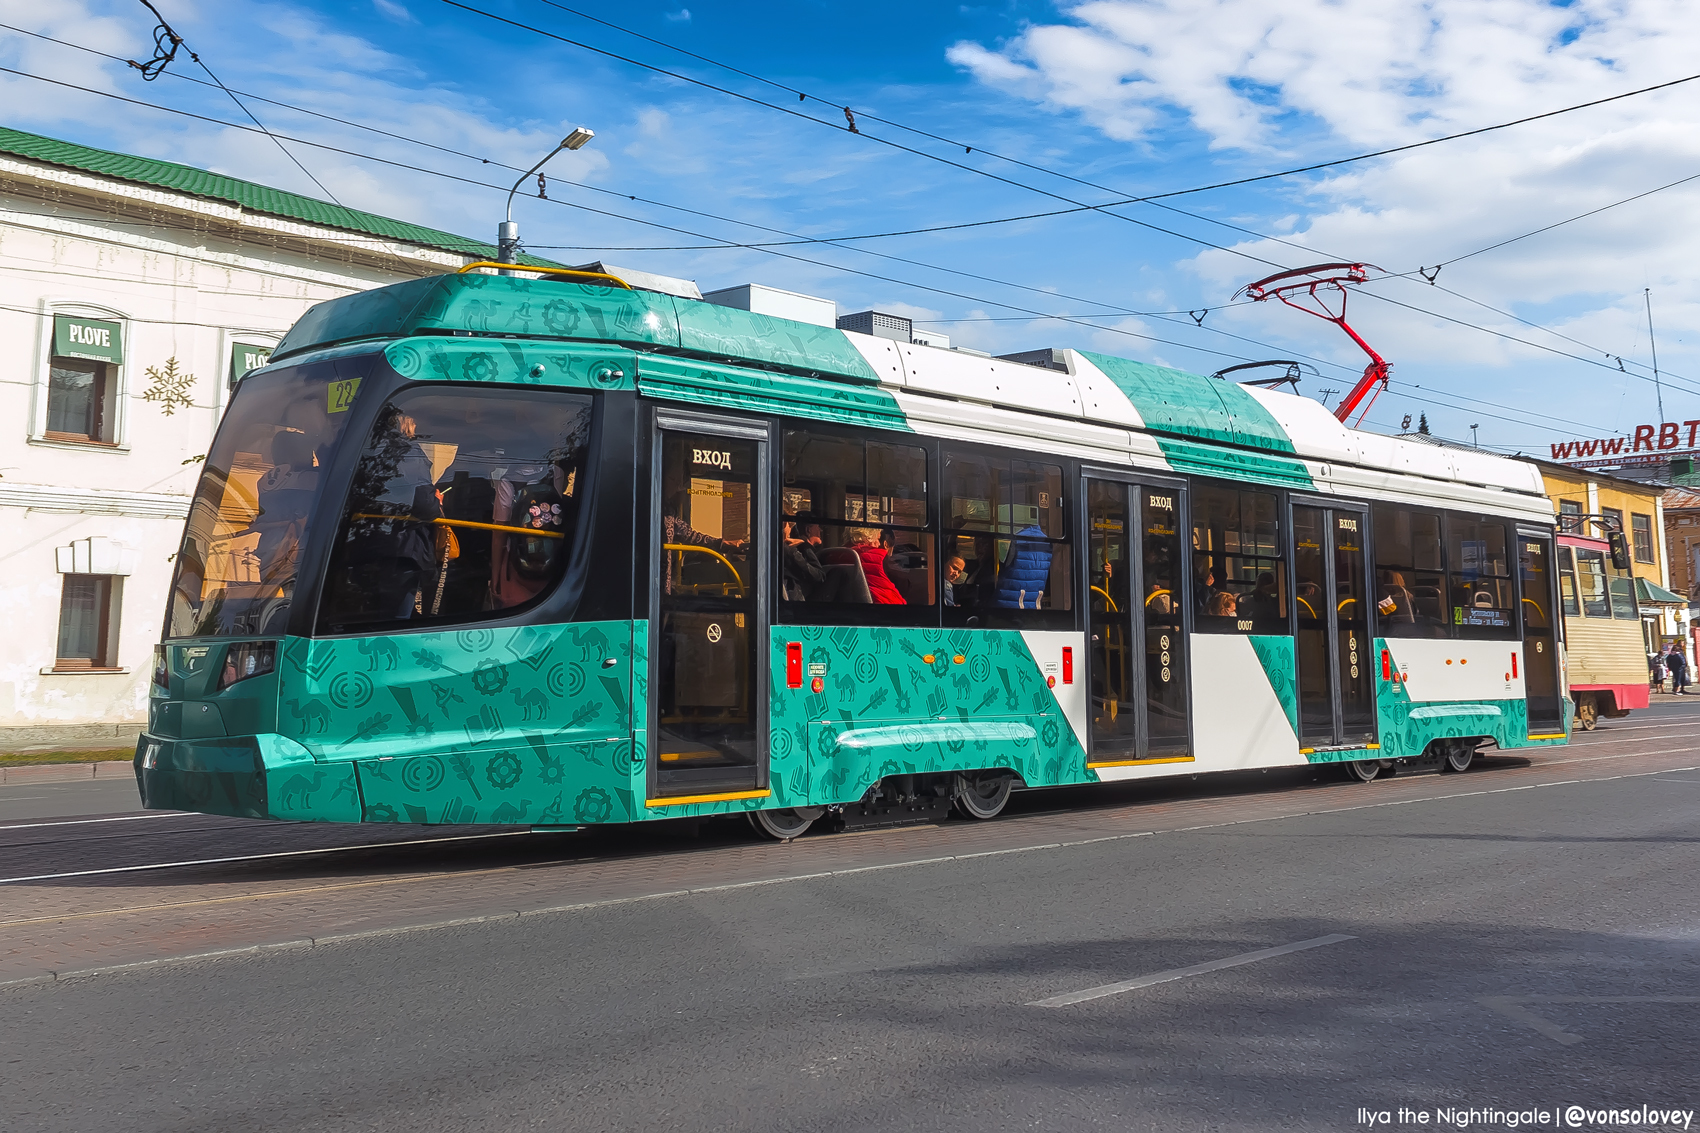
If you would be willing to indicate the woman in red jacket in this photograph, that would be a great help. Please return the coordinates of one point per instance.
(865, 541)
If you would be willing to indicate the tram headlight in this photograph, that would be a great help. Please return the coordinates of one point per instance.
(250, 659)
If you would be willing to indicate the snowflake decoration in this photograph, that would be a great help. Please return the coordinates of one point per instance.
(169, 387)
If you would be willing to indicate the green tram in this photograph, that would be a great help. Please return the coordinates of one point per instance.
(555, 551)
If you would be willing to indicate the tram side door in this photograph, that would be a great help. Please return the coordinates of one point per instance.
(1540, 645)
(1336, 689)
(708, 601)
(1136, 642)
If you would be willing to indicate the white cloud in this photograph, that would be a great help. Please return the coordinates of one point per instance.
(682, 16)
(391, 10)
(1312, 79)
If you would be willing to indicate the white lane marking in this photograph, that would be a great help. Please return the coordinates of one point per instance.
(85, 821)
(1182, 973)
(23, 798)
(263, 857)
(1511, 1007)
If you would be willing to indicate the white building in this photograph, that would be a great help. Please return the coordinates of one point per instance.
(132, 293)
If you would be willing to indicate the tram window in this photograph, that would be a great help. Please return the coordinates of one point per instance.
(856, 530)
(1481, 597)
(1410, 585)
(1591, 583)
(1239, 575)
(1623, 599)
(1006, 542)
(464, 505)
(1567, 583)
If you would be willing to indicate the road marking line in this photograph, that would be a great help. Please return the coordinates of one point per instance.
(263, 857)
(1182, 973)
(1511, 1007)
(86, 821)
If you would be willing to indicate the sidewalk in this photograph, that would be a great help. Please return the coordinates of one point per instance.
(65, 772)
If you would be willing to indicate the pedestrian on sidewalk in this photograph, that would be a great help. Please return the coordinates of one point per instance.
(1678, 666)
(1655, 672)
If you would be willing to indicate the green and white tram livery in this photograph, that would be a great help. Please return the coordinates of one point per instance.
(555, 552)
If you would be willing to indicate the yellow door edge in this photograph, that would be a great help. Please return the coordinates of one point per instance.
(727, 797)
(1141, 762)
(1553, 736)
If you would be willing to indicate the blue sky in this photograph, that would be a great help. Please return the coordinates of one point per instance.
(1136, 96)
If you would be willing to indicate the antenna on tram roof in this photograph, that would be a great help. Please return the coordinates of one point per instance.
(1299, 290)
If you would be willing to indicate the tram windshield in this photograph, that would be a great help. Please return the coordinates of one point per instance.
(236, 569)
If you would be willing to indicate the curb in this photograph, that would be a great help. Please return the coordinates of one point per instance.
(67, 772)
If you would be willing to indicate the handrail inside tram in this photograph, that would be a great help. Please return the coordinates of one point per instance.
(473, 523)
(1114, 609)
(1155, 594)
(709, 551)
(574, 272)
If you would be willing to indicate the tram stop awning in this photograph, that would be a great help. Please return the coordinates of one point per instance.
(1652, 594)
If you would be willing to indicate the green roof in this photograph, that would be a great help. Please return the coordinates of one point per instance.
(246, 194)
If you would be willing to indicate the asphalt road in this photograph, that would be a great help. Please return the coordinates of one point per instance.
(21, 802)
(1509, 941)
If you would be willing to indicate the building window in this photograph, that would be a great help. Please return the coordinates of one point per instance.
(1614, 520)
(1567, 510)
(82, 380)
(88, 622)
(1641, 531)
(78, 398)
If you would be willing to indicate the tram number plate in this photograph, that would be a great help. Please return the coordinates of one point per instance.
(342, 394)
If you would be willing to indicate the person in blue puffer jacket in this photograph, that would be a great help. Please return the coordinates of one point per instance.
(1027, 572)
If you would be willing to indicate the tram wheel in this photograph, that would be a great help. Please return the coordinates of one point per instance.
(1587, 713)
(784, 825)
(982, 796)
(1362, 770)
(1459, 755)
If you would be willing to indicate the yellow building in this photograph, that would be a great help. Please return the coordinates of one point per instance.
(1597, 502)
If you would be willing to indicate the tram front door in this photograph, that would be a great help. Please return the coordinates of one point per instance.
(1336, 689)
(709, 519)
(1136, 637)
(1540, 644)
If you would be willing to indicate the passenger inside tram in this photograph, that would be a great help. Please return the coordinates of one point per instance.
(461, 504)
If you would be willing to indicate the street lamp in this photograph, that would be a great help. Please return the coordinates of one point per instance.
(507, 232)
(1473, 429)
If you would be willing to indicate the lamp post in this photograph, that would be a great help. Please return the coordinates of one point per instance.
(507, 232)
(1473, 429)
